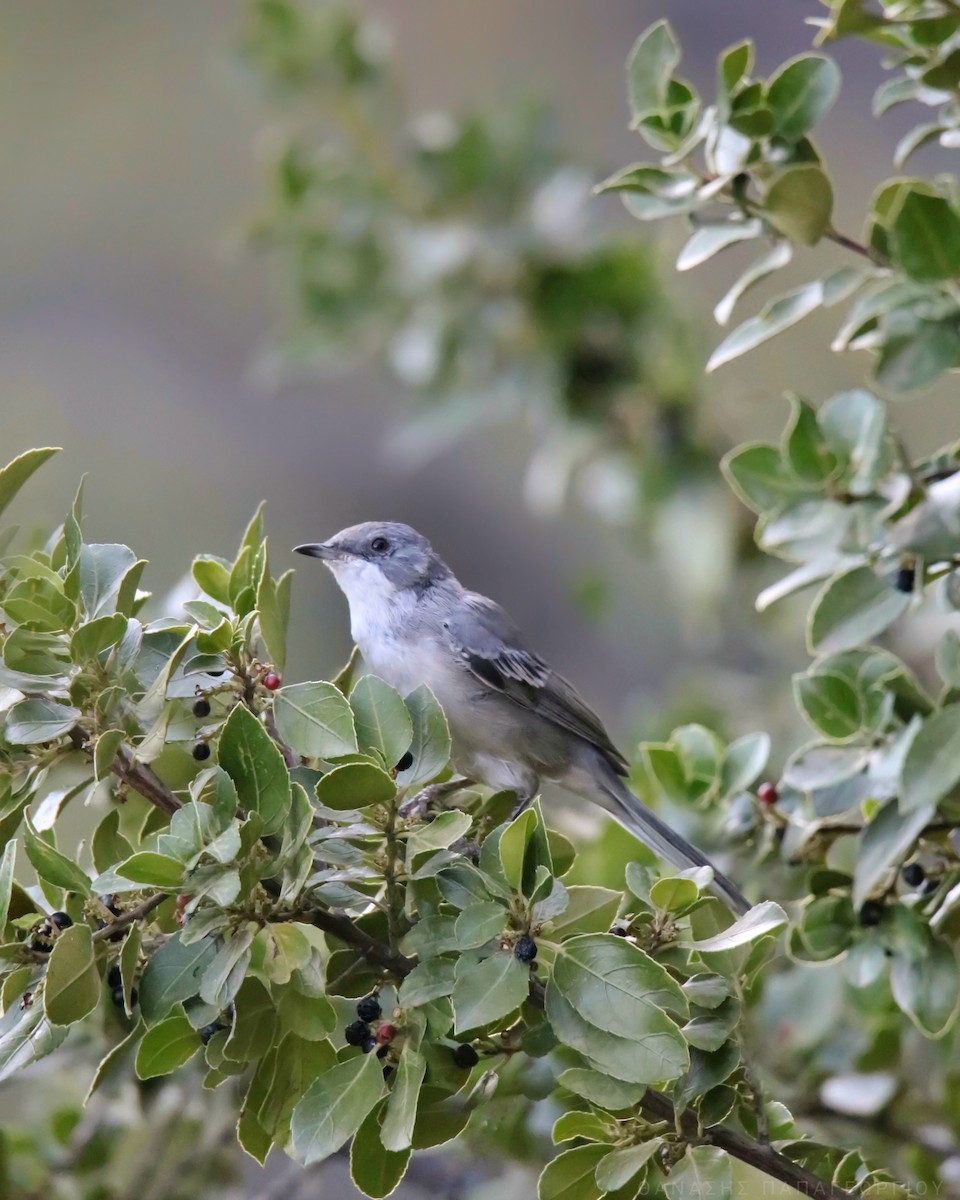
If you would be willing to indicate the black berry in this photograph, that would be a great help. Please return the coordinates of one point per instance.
(369, 1043)
(201, 751)
(109, 902)
(465, 1056)
(906, 580)
(871, 912)
(113, 977)
(525, 950)
(618, 931)
(406, 762)
(60, 920)
(117, 996)
(210, 1031)
(368, 1009)
(913, 874)
(356, 1033)
(201, 708)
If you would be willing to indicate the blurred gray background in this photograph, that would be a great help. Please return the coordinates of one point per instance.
(131, 320)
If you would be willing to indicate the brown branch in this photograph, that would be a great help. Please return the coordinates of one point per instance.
(746, 1149)
(144, 780)
(131, 916)
(342, 928)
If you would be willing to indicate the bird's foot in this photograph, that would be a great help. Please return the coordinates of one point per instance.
(420, 803)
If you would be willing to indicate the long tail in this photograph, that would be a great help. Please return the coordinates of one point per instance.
(622, 804)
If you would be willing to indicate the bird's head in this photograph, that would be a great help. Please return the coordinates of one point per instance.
(379, 557)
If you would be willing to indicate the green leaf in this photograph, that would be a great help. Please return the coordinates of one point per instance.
(931, 768)
(925, 983)
(801, 93)
(572, 1174)
(830, 703)
(709, 1030)
(173, 974)
(53, 866)
(615, 986)
(101, 570)
(315, 720)
(375, 1170)
(761, 920)
(157, 870)
(95, 636)
(778, 257)
(37, 720)
(355, 785)
(431, 739)
(72, 985)
(334, 1107)
(617, 1169)
(709, 240)
(489, 991)
(759, 476)
(602, 1090)
(674, 893)
(166, 1046)
(383, 723)
(213, 576)
(803, 447)
(854, 425)
(223, 976)
(16, 473)
(513, 846)
(273, 613)
(479, 923)
(851, 609)
(429, 980)
(650, 66)
(915, 359)
(798, 201)
(249, 756)
(743, 761)
(7, 862)
(925, 237)
(776, 316)
(703, 1171)
(401, 1112)
(574, 1124)
(589, 910)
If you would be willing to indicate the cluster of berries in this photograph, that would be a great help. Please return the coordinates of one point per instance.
(115, 984)
(201, 709)
(359, 1033)
(44, 935)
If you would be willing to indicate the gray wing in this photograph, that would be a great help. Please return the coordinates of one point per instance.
(489, 643)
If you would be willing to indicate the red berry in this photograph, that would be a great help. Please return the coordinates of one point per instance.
(386, 1033)
(767, 793)
(271, 681)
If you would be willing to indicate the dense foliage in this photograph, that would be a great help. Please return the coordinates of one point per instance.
(252, 883)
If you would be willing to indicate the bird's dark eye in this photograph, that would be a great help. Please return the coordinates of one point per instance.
(379, 545)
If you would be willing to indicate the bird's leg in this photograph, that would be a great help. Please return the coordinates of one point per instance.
(421, 801)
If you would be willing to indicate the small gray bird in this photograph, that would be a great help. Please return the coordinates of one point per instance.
(513, 720)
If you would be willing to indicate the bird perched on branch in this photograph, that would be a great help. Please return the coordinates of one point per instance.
(513, 720)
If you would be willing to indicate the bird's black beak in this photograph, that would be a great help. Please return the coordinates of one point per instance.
(318, 550)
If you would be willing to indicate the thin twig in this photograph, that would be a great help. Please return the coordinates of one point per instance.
(144, 780)
(131, 916)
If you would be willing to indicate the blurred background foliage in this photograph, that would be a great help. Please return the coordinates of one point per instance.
(436, 270)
